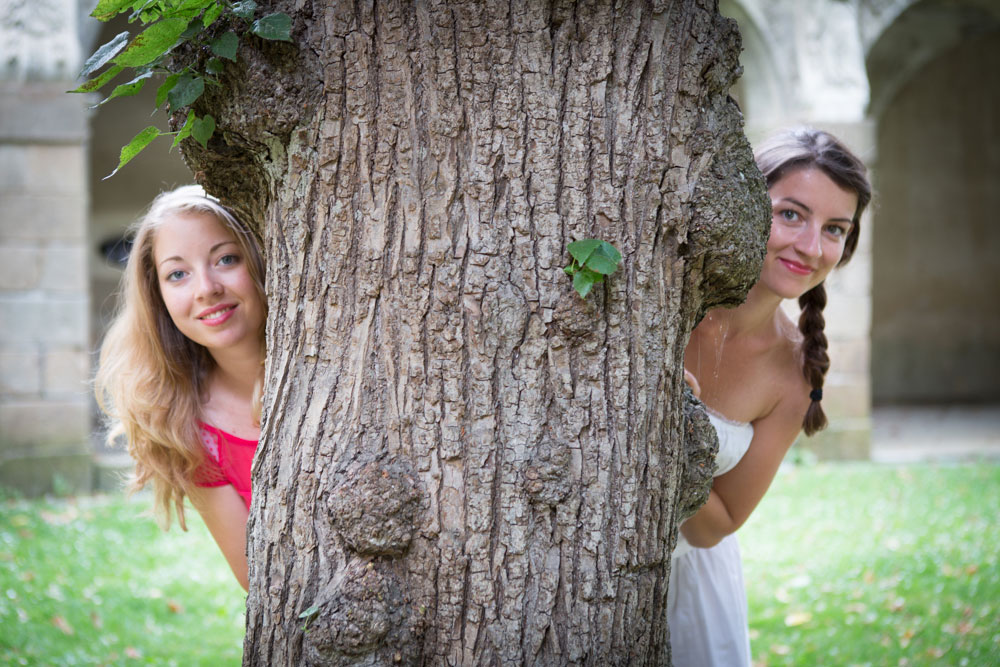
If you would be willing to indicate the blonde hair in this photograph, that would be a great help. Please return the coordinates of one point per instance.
(151, 380)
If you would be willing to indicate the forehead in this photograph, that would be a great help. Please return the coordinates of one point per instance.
(188, 232)
(815, 189)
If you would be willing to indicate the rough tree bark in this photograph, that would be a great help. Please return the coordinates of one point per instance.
(462, 462)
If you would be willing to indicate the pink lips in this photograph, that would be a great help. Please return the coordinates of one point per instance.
(216, 315)
(796, 267)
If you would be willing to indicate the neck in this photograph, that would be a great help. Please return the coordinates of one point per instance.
(237, 368)
(754, 317)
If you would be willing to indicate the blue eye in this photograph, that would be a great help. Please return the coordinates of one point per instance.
(789, 215)
(839, 231)
(174, 276)
(229, 260)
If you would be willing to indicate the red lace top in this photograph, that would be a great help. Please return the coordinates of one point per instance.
(228, 461)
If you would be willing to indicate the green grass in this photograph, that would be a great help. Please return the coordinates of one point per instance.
(845, 565)
(93, 581)
(876, 565)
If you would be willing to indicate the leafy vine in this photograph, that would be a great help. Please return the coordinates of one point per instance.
(170, 24)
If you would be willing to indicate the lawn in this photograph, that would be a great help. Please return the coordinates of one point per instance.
(93, 581)
(876, 565)
(846, 565)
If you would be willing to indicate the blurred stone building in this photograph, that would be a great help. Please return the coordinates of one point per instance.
(911, 85)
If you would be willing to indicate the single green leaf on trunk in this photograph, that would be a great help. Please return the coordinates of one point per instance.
(187, 89)
(581, 250)
(245, 9)
(604, 259)
(134, 147)
(275, 27)
(591, 260)
(185, 131)
(108, 9)
(104, 54)
(98, 82)
(202, 129)
(583, 281)
(165, 88)
(226, 46)
(152, 43)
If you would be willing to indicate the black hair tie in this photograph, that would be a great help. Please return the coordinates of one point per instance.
(816, 394)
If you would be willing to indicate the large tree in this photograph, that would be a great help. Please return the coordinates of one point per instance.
(462, 461)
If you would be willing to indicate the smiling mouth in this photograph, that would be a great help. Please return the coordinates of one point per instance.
(795, 267)
(217, 314)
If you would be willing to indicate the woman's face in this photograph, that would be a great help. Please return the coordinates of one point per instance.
(811, 217)
(205, 282)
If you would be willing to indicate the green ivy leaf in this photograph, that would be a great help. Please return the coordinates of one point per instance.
(245, 9)
(604, 259)
(134, 147)
(189, 8)
(581, 250)
(187, 89)
(194, 27)
(202, 130)
(213, 12)
(214, 66)
(127, 89)
(104, 54)
(108, 9)
(276, 27)
(185, 131)
(583, 281)
(226, 45)
(152, 43)
(165, 88)
(98, 83)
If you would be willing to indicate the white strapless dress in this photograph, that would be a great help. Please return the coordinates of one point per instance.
(706, 601)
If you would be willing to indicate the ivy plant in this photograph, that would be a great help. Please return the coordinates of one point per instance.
(592, 259)
(168, 24)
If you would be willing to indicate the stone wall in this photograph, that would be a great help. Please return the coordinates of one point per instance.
(44, 296)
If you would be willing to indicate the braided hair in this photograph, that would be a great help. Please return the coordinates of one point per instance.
(780, 155)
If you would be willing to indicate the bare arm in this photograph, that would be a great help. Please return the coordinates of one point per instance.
(735, 495)
(225, 515)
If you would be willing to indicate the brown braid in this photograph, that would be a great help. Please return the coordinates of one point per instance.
(815, 361)
(803, 148)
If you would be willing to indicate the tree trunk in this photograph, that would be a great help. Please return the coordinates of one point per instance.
(462, 461)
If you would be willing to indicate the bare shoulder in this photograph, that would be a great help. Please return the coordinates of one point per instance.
(793, 389)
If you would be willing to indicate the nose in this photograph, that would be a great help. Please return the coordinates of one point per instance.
(208, 284)
(809, 242)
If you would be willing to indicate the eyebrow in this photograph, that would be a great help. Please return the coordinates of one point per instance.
(210, 251)
(810, 211)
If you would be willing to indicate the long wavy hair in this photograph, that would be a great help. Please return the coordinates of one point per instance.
(780, 155)
(151, 379)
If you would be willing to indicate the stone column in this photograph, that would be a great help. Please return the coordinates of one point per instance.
(44, 296)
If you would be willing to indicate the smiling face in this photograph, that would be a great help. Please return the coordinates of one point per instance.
(205, 282)
(811, 218)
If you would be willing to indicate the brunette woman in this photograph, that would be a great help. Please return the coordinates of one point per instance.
(761, 377)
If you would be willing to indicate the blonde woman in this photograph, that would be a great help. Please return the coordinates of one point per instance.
(761, 377)
(181, 365)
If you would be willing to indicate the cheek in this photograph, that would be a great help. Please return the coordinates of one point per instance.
(174, 302)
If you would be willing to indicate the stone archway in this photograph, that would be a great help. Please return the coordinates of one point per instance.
(935, 325)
